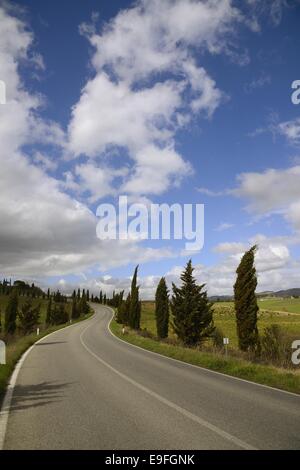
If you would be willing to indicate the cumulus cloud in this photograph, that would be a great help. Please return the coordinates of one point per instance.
(272, 191)
(140, 96)
(43, 230)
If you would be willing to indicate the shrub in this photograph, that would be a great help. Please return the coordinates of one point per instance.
(217, 338)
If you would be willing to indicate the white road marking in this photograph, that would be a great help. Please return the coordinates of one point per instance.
(210, 371)
(6, 405)
(225, 435)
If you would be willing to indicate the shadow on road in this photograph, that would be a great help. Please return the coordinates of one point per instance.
(49, 343)
(33, 396)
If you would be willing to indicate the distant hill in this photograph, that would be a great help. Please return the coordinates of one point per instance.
(221, 298)
(269, 293)
(281, 293)
(22, 287)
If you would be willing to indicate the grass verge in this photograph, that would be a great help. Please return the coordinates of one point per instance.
(262, 374)
(15, 350)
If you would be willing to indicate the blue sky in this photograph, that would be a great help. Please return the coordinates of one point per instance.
(87, 81)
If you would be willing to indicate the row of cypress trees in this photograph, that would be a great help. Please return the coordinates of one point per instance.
(129, 310)
(192, 312)
(27, 315)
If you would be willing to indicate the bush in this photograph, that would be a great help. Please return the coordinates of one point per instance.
(276, 346)
(145, 333)
(217, 338)
(29, 317)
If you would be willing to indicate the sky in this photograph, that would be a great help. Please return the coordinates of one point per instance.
(180, 101)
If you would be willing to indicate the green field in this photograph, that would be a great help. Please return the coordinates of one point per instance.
(224, 317)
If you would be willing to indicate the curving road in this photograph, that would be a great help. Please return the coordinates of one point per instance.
(82, 388)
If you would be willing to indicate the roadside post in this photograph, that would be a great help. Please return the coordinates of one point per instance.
(2, 353)
(226, 342)
(38, 332)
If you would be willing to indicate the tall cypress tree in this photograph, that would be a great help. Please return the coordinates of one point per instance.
(49, 312)
(29, 317)
(162, 309)
(75, 312)
(124, 311)
(135, 304)
(245, 302)
(11, 312)
(192, 312)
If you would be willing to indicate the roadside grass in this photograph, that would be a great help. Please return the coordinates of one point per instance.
(18, 345)
(236, 367)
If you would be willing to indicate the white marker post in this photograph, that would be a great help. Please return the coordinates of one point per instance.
(2, 353)
(226, 342)
(38, 332)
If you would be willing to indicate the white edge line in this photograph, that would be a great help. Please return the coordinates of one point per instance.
(6, 404)
(211, 371)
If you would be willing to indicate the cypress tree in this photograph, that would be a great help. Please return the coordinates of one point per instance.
(29, 317)
(48, 313)
(88, 295)
(192, 312)
(75, 313)
(78, 294)
(162, 309)
(245, 302)
(135, 304)
(11, 312)
(100, 297)
(123, 311)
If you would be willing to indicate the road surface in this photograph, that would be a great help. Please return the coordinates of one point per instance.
(82, 388)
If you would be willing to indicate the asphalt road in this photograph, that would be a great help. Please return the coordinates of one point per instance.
(81, 388)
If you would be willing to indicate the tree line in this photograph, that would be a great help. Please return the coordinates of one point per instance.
(24, 316)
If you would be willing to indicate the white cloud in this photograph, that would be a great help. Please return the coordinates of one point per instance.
(273, 191)
(155, 170)
(43, 230)
(223, 226)
(210, 193)
(140, 96)
(291, 131)
(257, 83)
